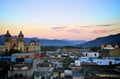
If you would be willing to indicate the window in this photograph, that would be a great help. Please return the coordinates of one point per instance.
(27, 49)
(21, 48)
(95, 54)
(14, 45)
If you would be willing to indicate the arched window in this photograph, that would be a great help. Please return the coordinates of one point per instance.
(21, 48)
(15, 75)
(14, 45)
(27, 49)
(86, 54)
(95, 54)
(21, 75)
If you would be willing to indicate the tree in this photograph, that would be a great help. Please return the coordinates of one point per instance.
(49, 48)
(66, 62)
(95, 49)
(68, 47)
(6, 66)
(12, 51)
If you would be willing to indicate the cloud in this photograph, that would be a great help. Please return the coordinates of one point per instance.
(62, 27)
(74, 31)
(107, 24)
(87, 26)
(101, 31)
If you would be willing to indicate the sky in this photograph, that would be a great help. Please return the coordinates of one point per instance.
(60, 19)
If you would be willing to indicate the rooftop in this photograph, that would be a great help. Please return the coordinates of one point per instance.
(102, 71)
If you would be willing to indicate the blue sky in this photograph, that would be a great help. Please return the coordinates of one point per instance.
(47, 14)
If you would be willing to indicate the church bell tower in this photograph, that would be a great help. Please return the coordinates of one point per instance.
(7, 42)
(21, 41)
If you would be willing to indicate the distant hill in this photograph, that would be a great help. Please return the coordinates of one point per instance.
(111, 39)
(48, 42)
(55, 42)
(75, 41)
(1, 39)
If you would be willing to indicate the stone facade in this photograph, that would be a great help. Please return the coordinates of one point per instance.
(18, 43)
(110, 47)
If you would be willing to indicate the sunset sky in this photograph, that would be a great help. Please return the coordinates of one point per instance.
(60, 19)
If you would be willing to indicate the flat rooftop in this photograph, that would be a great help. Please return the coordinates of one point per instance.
(102, 71)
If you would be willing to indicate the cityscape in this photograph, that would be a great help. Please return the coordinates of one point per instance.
(59, 39)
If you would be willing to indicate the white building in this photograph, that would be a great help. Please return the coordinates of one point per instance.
(104, 61)
(98, 61)
(91, 54)
(81, 60)
(84, 59)
(68, 72)
(77, 63)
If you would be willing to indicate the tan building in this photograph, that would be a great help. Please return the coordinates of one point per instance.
(19, 44)
(109, 47)
(22, 70)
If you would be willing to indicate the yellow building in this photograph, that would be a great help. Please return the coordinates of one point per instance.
(19, 44)
(110, 47)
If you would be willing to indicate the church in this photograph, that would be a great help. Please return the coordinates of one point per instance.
(17, 43)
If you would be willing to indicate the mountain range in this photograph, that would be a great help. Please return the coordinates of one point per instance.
(55, 42)
(48, 42)
(111, 39)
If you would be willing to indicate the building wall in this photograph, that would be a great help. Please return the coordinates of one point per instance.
(29, 72)
(21, 46)
(104, 61)
(79, 77)
(7, 46)
(18, 44)
(14, 44)
(91, 54)
(2, 48)
(35, 48)
(77, 63)
(84, 59)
